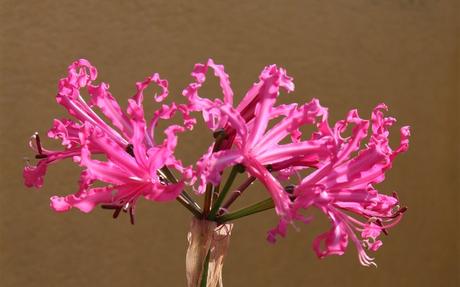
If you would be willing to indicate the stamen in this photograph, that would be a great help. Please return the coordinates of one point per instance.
(131, 215)
(40, 154)
(117, 212)
(38, 142)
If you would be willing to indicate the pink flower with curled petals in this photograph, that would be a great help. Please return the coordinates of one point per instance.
(342, 188)
(133, 158)
(249, 141)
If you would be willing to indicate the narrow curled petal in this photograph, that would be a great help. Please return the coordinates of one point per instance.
(333, 242)
(85, 201)
(224, 81)
(81, 73)
(295, 118)
(272, 78)
(33, 175)
(210, 166)
(67, 131)
(280, 197)
(142, 86)
(211, 114)
(102, 98)
(165, 192)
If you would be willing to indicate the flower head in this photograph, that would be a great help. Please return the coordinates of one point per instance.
(133, 159)
(249, 141)
(342, 187)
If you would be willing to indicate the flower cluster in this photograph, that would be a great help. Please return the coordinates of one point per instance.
(326, 169)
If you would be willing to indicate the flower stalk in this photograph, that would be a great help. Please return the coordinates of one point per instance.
(237, 193)
(249, 210)
(184, 198)
(228, 184)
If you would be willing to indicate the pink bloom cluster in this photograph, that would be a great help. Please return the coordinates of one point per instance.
(133, 158)
(326, 170)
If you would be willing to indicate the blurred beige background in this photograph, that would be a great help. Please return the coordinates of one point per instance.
(349, 54)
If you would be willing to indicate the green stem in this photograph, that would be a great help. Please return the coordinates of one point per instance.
(252, 209)
(196, 212)
(204, 275)
(184, 198)
(215, 208)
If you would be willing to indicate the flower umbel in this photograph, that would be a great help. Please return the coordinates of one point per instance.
(257, 137)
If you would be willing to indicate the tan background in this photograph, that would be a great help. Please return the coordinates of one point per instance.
(347, 53)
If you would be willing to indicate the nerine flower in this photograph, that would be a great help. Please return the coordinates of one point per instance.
(133, 159)
(263, 137)
(342, 188)
(249, 140)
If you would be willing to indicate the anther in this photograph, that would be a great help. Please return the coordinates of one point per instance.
(130, 149)
(269, 167)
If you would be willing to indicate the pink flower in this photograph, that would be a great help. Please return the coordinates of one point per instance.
(133, 158)
(249, 141)
(342, 187)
